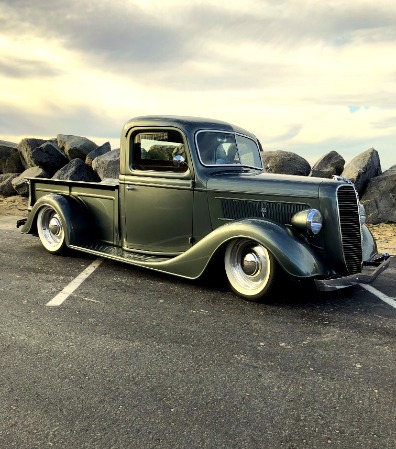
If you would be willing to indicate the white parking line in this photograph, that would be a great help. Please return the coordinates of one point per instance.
(380, 295)
(69, 289)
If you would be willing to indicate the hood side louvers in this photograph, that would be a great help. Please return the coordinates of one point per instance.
(279, 212)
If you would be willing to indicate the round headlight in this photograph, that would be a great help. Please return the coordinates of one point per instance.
(309, 220)
(362, 213)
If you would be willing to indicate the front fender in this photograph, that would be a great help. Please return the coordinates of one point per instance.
(369, 245)
(72, 213)
(293, 255)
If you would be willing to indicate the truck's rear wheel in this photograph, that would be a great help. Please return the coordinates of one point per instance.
(51, 230)
(250, 269)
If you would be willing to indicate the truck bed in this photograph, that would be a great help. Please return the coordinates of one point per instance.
(100, 198)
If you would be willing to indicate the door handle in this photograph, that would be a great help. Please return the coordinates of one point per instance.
(129, 187)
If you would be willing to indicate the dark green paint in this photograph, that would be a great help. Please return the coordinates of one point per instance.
(177, 218)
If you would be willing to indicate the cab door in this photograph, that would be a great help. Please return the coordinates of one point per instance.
(158, 193)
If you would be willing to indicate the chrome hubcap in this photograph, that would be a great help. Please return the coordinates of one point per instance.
(54, 225)
(250, 264)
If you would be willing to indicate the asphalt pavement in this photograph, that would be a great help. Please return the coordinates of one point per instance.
(135, 359)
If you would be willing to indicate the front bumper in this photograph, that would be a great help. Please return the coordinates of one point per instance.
(371, 269)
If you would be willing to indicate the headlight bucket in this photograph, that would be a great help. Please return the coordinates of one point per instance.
(362, 214)
(309, 220)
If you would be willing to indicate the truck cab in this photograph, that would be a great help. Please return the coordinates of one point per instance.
(165, 171)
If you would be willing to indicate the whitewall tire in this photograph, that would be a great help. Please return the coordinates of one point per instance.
(250, 269)
(51, 230)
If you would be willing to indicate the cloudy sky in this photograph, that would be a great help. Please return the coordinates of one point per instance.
(305, 76)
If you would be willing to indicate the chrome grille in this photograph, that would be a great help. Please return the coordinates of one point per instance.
(279, 212)
(350, 228)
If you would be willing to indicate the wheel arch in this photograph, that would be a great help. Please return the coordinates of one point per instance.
(72, 212)
(293, 255)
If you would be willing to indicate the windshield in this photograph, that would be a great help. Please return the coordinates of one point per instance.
(226, 148)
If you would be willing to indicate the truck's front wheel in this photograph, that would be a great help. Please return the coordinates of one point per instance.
(51, 230)
(250, 269)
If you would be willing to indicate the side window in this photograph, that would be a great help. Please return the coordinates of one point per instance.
(159, 151)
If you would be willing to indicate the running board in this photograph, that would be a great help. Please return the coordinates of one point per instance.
(119, 254)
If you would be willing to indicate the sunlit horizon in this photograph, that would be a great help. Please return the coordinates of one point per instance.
(303, 76)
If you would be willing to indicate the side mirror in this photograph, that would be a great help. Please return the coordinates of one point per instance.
(178, 161)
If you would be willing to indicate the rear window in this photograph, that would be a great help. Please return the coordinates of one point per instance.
(159, 151)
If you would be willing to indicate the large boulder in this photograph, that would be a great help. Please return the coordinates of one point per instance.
(76, 170)
(285, 162)
(362, 168)
(328, 165)
(48, 157)
(75, 146)
(10, 160)
(6, 188)
(379, 198)
(108, 165)
(19, 183)
(26, 148)
(100, 151)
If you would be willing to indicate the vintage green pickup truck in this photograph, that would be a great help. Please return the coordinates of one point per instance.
(193, 195)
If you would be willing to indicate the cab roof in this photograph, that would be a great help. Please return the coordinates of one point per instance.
(188, 124)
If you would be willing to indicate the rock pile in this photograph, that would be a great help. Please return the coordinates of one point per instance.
(66, 157)
(77, 158)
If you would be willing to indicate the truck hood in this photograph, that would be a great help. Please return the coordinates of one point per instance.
(265, 183)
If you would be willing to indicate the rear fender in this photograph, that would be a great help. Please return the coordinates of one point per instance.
(73, 215)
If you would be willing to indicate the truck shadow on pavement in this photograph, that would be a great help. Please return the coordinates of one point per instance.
(213, 287)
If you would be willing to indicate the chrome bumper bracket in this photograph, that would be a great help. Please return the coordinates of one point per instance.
(371, 269)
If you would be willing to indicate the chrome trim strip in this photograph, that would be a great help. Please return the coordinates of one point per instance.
(347, 255)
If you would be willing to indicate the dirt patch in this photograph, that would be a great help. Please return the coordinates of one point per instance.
(13, 205)
(385, 236)
(384, 233)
